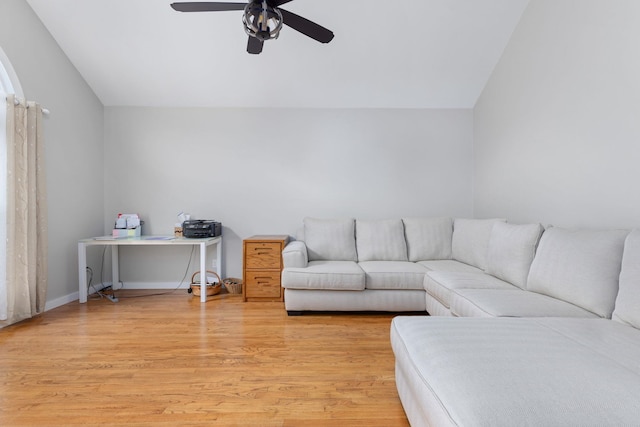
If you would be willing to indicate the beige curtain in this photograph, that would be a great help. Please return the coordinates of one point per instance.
(26, 278)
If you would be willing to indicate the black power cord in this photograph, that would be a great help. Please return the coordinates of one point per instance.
(112, 297)
(100, 292)
(186, 272)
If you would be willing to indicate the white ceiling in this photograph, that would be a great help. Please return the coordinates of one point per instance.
(385, 54)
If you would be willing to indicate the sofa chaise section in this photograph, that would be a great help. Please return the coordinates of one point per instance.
(517, 371)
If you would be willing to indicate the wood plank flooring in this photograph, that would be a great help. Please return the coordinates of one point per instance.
(171, 361)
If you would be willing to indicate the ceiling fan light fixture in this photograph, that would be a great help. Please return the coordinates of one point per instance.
(262, 21)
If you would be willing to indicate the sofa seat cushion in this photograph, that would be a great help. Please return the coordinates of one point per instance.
(449, 265)
(505, 372)
(336, 275)
(579, 266)
(393, 275)
(511, 303)
(439, 284)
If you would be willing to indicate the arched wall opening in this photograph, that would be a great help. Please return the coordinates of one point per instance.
(9, 84)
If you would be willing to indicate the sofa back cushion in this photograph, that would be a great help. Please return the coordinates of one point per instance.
(511, 251)
(627, 308)
(581, 267)
(471, 239)
(428, 238)
(330, 239)
(381, 240)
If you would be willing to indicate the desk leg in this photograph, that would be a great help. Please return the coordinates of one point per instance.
(115, 267)
(219, 258)
(203, 272)
(82, 272)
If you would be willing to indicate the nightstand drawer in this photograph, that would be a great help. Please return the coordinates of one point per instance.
(261, 284)
(262, 255)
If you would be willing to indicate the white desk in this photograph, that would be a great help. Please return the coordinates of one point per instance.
(144, 241)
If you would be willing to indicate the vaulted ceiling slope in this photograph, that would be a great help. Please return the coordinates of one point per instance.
(385, 54)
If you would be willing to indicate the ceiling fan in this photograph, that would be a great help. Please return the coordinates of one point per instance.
(262, 19)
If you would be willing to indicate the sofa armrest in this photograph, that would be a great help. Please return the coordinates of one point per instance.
(294, 255)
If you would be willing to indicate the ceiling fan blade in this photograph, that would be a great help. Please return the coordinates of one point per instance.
(306, 27)
(254, 45)
(212, 6)
(276, 3)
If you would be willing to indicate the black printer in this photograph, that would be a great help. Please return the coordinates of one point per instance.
(199, 228)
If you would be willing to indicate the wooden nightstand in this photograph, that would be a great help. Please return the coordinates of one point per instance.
(262, 268)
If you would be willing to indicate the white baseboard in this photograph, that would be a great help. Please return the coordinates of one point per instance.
(152, 285)
(50, 305)
(75, 296)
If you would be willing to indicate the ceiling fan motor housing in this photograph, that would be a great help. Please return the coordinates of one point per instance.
(262, 21)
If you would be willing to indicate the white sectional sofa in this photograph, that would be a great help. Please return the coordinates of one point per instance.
(528, 326)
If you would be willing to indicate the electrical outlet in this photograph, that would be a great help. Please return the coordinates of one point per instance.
(214, 264)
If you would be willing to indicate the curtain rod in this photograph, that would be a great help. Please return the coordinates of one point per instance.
(45, 111)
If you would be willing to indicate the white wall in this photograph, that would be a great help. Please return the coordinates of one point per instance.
(73, 139)
(260, 171)
(557, 128)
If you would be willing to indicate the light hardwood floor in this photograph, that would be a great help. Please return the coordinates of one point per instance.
(171, 361)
